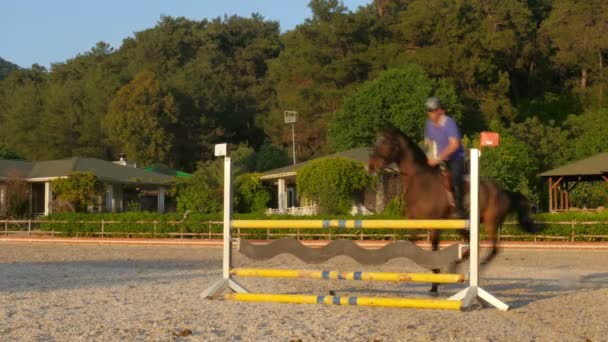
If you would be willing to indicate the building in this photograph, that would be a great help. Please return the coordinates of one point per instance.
(121, 182)
(286, 201)
(562, 180)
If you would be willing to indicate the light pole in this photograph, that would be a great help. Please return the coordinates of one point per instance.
(291, 116)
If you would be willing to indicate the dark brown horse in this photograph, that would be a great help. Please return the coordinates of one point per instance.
(426, 196)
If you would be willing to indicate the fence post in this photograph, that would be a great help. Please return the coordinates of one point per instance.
(154, 230)
(6, 227)
(182, 230)
(29, 227)
(361, 234)
(572, 231)
(209, 230)
(267, 233)
(102, 227)
(297, 233)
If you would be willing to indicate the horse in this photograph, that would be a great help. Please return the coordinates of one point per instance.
(426, 196)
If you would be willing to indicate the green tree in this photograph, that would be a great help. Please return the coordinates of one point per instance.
(6, 68)
(80, 189)
(577, 31)
(550, 144)
(397, 97)
(138, 119)
(21, 104)
(323, 60)
(197, 194)
(486, 47)
(511, 165)
(250, 194)
(331, 183)
(203, 192)
(588, 133)
(8, 153)
(270, 157)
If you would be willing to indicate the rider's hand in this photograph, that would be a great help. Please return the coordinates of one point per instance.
(434, 162)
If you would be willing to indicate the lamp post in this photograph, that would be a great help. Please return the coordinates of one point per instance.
(291, 116)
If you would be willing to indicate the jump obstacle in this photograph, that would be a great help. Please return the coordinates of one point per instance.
(462, 300)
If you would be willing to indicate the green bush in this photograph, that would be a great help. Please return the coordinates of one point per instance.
(331, 183)
(17, 201)
(197, 194)
(83, 224)
(71, 224)
(394, 207)
(250, 194)
(79, 189)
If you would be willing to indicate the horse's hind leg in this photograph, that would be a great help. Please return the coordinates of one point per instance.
(491, 226)
(434, 247)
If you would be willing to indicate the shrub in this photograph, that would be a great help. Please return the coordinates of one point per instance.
(79, 189)
(250, 194)
(331, 183)
(394, 207)
(17, 195)
(197, 194)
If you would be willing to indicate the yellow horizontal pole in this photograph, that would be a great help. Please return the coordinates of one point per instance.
(347, 300)
(362, 224)
(337, 275)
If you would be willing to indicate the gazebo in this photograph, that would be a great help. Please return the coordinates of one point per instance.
(564, 179)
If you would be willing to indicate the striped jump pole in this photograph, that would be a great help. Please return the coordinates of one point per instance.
(337, 275)
(354, 224)
(445, 304)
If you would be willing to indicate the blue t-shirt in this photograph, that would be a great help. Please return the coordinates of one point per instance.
(441, 134)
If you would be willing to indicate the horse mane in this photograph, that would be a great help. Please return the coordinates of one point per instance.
(418, 154)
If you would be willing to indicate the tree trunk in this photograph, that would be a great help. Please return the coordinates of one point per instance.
(380, 6)
(601, 79)
(584, 79)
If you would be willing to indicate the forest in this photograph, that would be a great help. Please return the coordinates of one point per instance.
(532, 70)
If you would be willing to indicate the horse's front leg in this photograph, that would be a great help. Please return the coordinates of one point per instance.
(434, 247)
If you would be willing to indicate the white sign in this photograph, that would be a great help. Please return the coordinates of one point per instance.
(221, 150)
(291, 116)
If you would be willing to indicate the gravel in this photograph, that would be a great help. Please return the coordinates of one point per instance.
(69, 292)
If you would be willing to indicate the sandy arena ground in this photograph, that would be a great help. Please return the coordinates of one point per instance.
(64, 292)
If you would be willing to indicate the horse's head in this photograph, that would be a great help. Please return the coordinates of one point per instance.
(387, 150)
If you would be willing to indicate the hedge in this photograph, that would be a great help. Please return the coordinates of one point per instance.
(85, 224)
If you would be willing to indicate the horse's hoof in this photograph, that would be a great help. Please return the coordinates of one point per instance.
(433, 293)
(332, 293)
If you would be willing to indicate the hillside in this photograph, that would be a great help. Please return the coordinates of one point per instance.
(6, 68)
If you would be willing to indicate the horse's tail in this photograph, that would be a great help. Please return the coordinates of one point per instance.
(518, 203)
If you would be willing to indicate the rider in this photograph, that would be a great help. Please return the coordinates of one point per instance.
(442, 132)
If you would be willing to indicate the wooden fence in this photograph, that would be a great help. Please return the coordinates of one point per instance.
(213, 230)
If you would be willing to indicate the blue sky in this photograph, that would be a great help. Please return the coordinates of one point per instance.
(48, 31)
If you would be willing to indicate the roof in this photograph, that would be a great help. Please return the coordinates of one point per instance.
(592, 166)
(104, 170)
(360, 154)
(167, 171)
